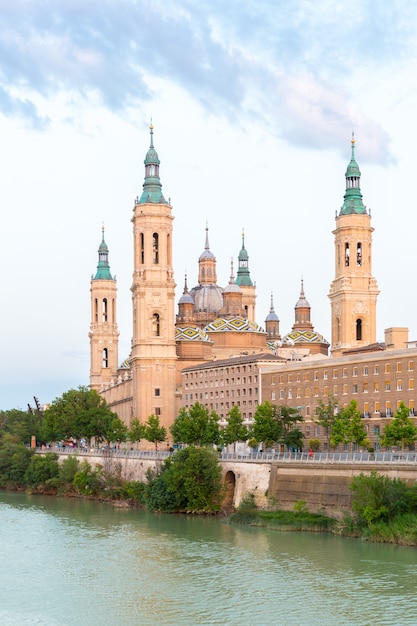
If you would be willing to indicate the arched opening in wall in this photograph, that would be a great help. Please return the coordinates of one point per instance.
(230, 484)
(358, 330)
(169, 251)
(359, 254)
(96, 310)
(156, 325)
(104, 310)
(105, 357)
(337, 324)
(155, 247)
(142, 248)
(347, 254)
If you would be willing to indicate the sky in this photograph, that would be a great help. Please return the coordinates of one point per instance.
(253, 106)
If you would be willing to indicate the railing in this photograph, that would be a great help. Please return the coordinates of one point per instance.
(258, 457)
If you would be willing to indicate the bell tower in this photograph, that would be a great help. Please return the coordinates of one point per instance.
(153, 355)
(244, 281)
(104, 334)
(353, 292)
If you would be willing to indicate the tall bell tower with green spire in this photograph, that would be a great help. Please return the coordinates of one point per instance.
(104, 333)
(353, 292)
(244, 281)
(153, 355)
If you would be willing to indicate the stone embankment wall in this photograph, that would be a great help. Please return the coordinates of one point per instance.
(325, 487)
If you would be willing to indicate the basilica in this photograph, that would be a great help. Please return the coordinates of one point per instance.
(185, 351)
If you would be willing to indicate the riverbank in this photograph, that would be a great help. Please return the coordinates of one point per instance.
(402, 530)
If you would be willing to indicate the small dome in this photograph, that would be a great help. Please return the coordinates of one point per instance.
(272, 317)
(186, 299)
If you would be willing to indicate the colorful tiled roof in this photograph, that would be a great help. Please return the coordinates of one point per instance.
(233, 324)
(191, 334)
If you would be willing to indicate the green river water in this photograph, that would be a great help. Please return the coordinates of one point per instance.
(76, 562)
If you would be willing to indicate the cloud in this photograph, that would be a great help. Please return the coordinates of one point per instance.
(287, 63)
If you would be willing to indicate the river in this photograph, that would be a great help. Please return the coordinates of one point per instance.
(76, 562)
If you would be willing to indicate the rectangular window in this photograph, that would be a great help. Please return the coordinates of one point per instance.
(410, 366)
(365, 370)
(376, 407)
(365, 388)
(308, 392)
(316, 392)
(355, 371)
(281, 394)
(289, 394)
(317, 431)
(334, 373)
(307, 378)
(158, 410)
(355, 388)
(298, 392)
(399, 385)
(290, 378)
(399, 365)
(376, 369)
(387, 368)
(325, 375)
(387, 385)
(376, 387)
(273, 395)
(344, 390)
(344, 372)
(157, 392)
(325, 391)
(316, 375)
(307, 411)
(335, 390)
(411, 384)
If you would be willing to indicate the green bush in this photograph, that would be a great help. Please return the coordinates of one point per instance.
(42, 470)
(14, 460)
(88, 481)
(377, 498)
(191, 480)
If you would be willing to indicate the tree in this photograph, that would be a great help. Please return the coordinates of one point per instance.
(21, 424)
(197, 427)
(136, 431)
(154, 431)
(191, 480)
(82, 413)
(14, 461)
(401, 430)
(290, 435)
(326, 416)
(265, 427)
(348, 426)
(234, 430)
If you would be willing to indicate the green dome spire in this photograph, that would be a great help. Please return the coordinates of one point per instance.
(353, 197)
(243, 274)
(103, 267)
(152, 188)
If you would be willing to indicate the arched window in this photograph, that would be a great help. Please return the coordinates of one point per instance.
(359, 254)
(104, 310)
(105, 357)
(142, 248)
(156, 325)
(155, 247)
(347, 254)
(96, 310)
(358, 330)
